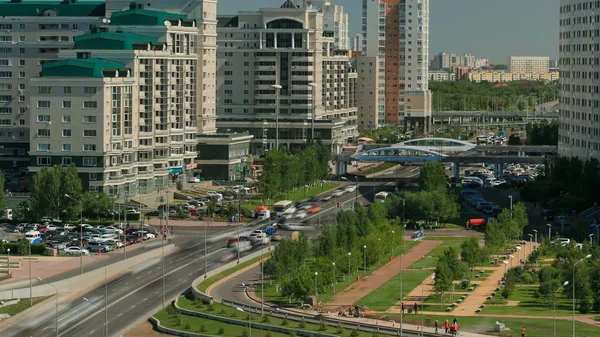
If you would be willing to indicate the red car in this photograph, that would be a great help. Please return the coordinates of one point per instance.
(313, 209)
(194, 212)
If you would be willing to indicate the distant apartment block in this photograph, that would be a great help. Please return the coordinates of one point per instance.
(334, 19)
(357, 42)
(511, 76)
(370, 92)
(287, 47)
(446, 61)
(529, 64)
(441, 76)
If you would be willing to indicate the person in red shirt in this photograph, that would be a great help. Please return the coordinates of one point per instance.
(447, 326)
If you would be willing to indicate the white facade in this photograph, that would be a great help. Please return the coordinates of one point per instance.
(579, 134)
(357, 42)
(529, 64)
(373, 28)
(370, 92)
(441, 76)
(334, 19)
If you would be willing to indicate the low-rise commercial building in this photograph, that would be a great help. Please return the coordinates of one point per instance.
(442, 76)
(509, 76)
(529, 64)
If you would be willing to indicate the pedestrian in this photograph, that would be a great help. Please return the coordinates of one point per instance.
(436, 326)
(455, 328)
(416, 306)
(403, 307)
(447, 326)
(455, 320)
(350, 310)
(523, 332)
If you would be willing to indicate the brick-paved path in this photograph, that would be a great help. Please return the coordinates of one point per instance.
(360, 289)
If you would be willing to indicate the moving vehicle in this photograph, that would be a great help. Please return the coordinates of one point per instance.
(476, 224)
(33, 237)
(381, 196)
(194, 180)
(338, 193)
(313, 209)
(76, 251)
(295, 226)
(264, 214)
(259, 238)
(284, 207)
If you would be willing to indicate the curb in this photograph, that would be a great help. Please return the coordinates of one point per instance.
(226, 278)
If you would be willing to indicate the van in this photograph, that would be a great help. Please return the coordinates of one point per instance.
(264, 214)
(33, 237)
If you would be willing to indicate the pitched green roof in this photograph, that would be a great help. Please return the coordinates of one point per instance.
(142, 17)
(110, 41)
(79, 68)
(52, 8)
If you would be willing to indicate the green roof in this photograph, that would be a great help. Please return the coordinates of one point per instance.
(110, 41)
(79, 68)
(142, 17)
(227, 21)
(52, 8)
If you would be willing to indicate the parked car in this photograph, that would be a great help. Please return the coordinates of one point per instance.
(75, 251)
(68, 226)
(133, 210)
(93, 246)
(194, 180)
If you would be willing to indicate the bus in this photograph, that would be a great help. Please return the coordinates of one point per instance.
(381, 196)
(33, 237)
(284, 207)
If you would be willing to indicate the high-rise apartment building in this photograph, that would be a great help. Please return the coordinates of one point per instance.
(121, 106)
(578, 132)
(357, 42)
(397, 31)
(447, 61)
(32, 34)
(370, 92)
(280, 75)
(334, 19)
(529, 64)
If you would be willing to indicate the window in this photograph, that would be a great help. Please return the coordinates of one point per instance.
(43, 118)
(21, 86)
(43, 161)
(89, 133)
(66, 104)
(6, 39)
(21, 122)
(21, 63)
(89, 90)
(90, 161)
(89, 147)
(5, 50)
(21, 26)
(43, 147)
(66, 132)
(90, 105)
(6, 63)
(66, 147)
(22, 38)
(44, 90)
(21, 74)
(5, 98)
(66, 118)
(89, 119)
(5, 74)
(66, 161)
(21, 98)
(93, 176)
(6, 26)
(5, 110)
(43, 133)
(43, 104)
(66, 90)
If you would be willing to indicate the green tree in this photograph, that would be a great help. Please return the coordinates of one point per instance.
(495, 235)
(432, 177)
(45, 195)
(2, 200)
(70, 185)
(299, 286)
(519, 216)
(97, 204)
(472, 254)
(443, 279)
(514, 139)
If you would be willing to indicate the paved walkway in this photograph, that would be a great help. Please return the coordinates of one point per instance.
(360, 289)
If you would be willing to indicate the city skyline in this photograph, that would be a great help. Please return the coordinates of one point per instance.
(519, 34)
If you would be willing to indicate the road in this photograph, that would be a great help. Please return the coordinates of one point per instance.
(138, 294)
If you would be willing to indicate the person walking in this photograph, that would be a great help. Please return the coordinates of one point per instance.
(416, 307)
(455, 320)
(523, 332)
(436, 326)
(447, 326)
(455, 329)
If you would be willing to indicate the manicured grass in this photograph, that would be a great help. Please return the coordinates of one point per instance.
(529, 305)
(22, 305)
(294, 196)
(211, 280)
(218, 309)
(388, 294)
(485, 325)
(376, 169)
(430, 260)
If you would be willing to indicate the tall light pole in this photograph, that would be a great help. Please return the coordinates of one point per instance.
(277, 88)
(262, 282)
(423, 305)
(105, 303)
(8, 260)
(549, 231)
(349, 255)
(575, 265)
(316, 288)
(393, 236)
(356, 190)
(30, 280)
(365, 258)
(125, 229)
(591, 235)
(334, 280)
(238, 223)
(80, 232)
(556, 292)
(205, 249)
(535, 233)
(314, 109)
(511, 202)
(56, 290)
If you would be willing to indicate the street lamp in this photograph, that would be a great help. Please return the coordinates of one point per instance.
(365, 258)
(549, 231)
(249, 320)
(277, 88)
(349, 255)
(511, 203)
(56, 290)
(316, 290)
(8, 260)
(557, 290)
(575, 265)
(393, 237)
(334, 280)
(314, 108)
(511, 260)
(519, 254)
(80, 232)
(535, 233)
(591, 235)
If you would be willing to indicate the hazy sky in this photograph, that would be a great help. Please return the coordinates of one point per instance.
(493, 29)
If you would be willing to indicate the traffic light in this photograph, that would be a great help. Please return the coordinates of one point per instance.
(337, 205)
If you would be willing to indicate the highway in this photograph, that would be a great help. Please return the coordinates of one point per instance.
(138, 294)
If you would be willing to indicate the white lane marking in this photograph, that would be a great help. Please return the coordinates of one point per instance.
(415, 169)
(145, 299)
(119, 315)
(133, 306)
(91, 332)
(137, 278)
(45, 328)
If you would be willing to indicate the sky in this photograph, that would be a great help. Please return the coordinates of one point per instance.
(493, 29)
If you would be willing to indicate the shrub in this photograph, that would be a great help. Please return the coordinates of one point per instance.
(354, 333)
(222, 311)
(210, 307)
(284, 322)
(266, 319)
(464, 284)
(322, 326)
(202, 328)
(187, 326)
(584, 306)
(292, 333)
(302, 324)
(497, 300)
(221, 331)
(244, 333)
(170, 311)
(505, 292)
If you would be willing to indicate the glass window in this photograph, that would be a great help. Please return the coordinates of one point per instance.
(43, 147)
(66, 133)
(66, 147)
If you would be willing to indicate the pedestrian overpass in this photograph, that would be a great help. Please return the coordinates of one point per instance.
(399, 154)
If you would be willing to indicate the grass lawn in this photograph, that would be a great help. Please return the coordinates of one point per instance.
(434, 302)
(479, 324)
(388, 294)
(227, 311)
(209, 281)
(529, 305)
(272, 296)
(294, 196)
(375, 169)
(430, 260)
(22, 305)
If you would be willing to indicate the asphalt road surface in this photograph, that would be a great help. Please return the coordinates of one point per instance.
(139, 293)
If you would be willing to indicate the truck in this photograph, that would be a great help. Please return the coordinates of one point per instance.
(264, 214)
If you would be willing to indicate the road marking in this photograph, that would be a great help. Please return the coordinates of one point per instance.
(133, 306)
(126, 283)
(145, 299)
(149, 271)
(114, 289)
(91, 332)
(119, 315)
(190, 274)
(137, 278)
(415, 169)
(156, 293)
(45, 328)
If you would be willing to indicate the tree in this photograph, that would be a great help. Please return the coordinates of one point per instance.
(495, 235)
(443, 279)
(2, 201)
(96, 204)
(45, 193)
(519, 216)
(299, 286)
(471, 253)
(514, 139)
(70, 185)
(432, 177)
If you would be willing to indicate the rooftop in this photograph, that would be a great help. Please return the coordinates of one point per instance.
(89, 67)
(111, 41)
(137, 16)
(52, 8)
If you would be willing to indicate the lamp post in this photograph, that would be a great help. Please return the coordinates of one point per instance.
(530, 243)
(249, 321)
(80, 232)
(349, 255)
(535, 233)
(206, 250)
(511, 260)
(511, 202)
(314, 109)
(277, 88)
(365, 258)
(575, 265)
(549, 231)
(8, 260)
(56, 290)
(30, 280)
(316, 290)
(393, 237)
(334, 280)
(519, 254)
(591, 235)
(556, 292)
(356, 190)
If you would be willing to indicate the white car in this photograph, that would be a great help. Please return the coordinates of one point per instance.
(133, 210)
(338, 193)
(76, 251)
(300, 214)
(350, 188)
(194, 180)
(214, 193)
(145, 235)
(69, 226)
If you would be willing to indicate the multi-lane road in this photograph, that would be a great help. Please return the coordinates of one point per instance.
(139, 293)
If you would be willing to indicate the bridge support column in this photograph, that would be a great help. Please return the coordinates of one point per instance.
(456, 170)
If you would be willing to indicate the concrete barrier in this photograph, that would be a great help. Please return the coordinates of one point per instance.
(156, 324)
